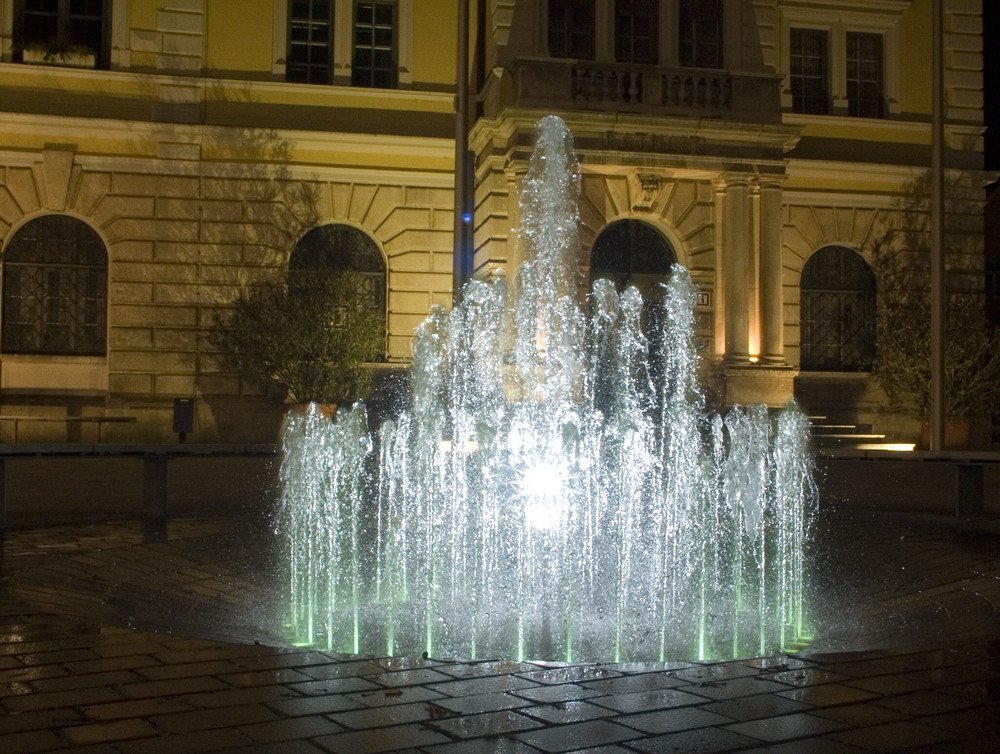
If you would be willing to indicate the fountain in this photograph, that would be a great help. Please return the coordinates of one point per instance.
(556, 489)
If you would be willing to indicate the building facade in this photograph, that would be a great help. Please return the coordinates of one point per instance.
(157, 157)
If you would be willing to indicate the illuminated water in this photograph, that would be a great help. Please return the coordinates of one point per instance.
(556, 489)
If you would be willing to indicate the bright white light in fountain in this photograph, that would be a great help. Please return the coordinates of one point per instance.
(543, 492)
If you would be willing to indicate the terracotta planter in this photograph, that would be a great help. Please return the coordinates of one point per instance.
(956, 434)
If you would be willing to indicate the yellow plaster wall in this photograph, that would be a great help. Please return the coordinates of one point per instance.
(240, 37)
(915, 58)
(142, 13)
(434, 30)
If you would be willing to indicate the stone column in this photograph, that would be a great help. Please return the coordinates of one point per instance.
(772, 340)
(736, 258)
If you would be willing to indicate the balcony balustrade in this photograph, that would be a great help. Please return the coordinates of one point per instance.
(651, 90)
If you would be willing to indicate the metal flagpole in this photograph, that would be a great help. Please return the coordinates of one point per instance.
(463, 222)
(937, 237)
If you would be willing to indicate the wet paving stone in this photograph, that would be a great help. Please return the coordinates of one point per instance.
(464, 670)
(572, 674)
(896, 736)
(632, 683)
(806, 677)
(313, 705)
(381, 739)
(487, 725)
(645, 701)
(787, 727)
(400, 714)
(828, 695)
(561, 713)
(577, 735)
(388, 697)
(483, 746)
(705, 741)
(408, 677)
(755, 707)
(288, 730)
(565, 692)
(487, 685)
(736, 687)
(330, 670)
(481, 703)
(674, 720)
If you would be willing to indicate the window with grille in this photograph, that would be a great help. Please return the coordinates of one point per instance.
(310, 24)
(808, 71)
(374, 45)
(637, 31)
(864, 75)
(58, 27)
(341, 247)
(838, 312)
(55, 281)
(700, 33)
(571, 29)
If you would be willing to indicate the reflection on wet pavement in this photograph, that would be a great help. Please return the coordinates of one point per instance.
(109, 644)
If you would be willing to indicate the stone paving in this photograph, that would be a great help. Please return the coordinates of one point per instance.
(909, 659)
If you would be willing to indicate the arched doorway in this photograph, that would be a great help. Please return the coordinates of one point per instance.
(633, 253)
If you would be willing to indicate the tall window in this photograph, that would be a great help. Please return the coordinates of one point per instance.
(341, 247)
(807, 68)
(838, 311)
(57, 27)
(374, 44)
(700, 33)
(864, 75)
(55, 281)
(309, 34)
(571, 29)
(637, 27)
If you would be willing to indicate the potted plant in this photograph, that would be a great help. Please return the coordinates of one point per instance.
(312, 336)
(901, 258)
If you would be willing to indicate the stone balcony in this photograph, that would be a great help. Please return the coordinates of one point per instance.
(559, 85)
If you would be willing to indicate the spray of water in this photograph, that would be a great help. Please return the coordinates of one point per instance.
(556, 489)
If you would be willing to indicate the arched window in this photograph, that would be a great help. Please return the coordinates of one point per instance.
(341, 247)
(838, 311)
(55, 289)
(631, 252)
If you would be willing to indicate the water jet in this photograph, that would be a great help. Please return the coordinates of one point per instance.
(556, 488)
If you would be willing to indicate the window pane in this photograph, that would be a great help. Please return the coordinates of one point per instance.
(838, 311)
(374, 62)
(636, 31)
(700, 33)
(807, 71)
(571, 29)
(55, 289)
(309, 42)
(864, 75)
